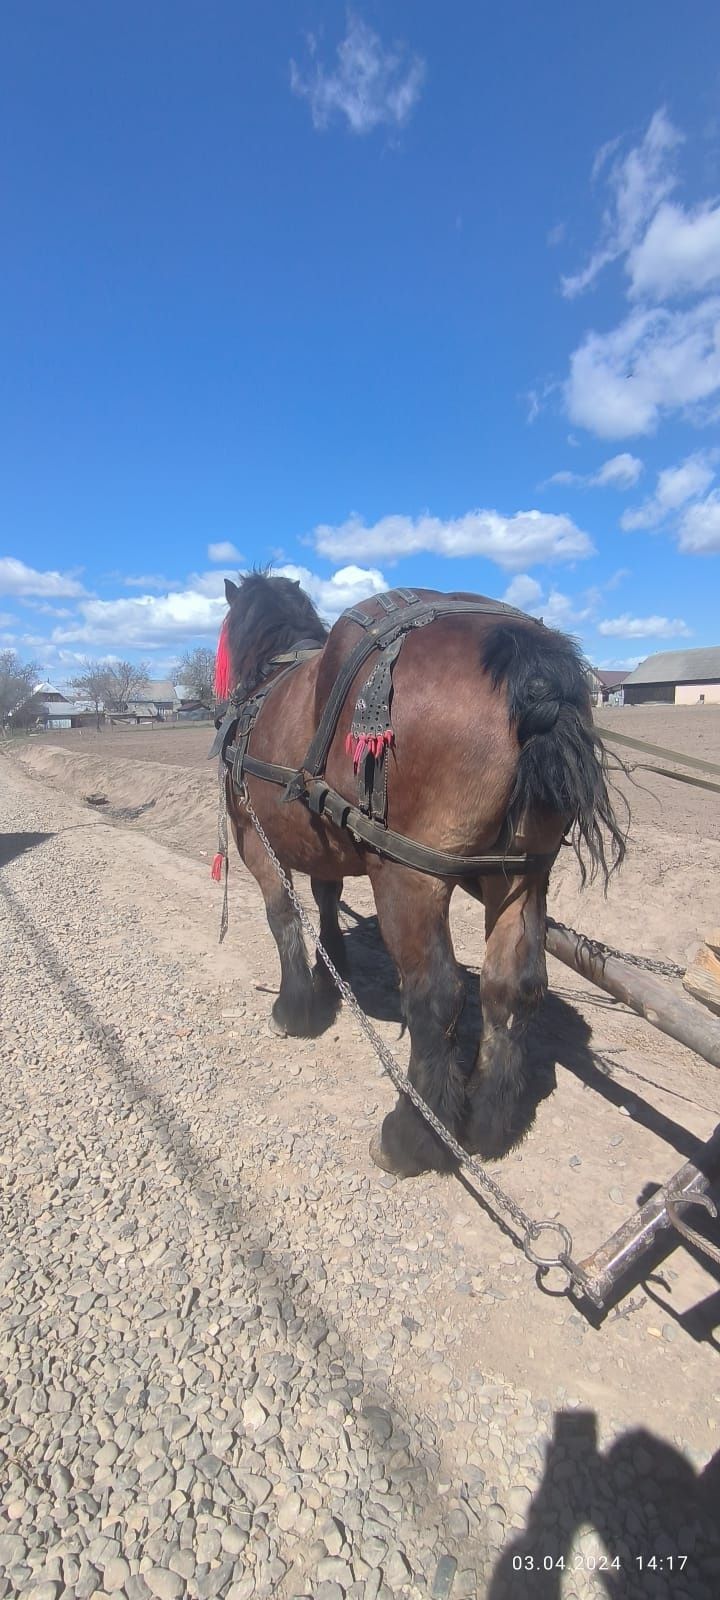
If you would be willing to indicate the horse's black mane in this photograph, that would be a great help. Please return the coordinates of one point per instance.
(268, 615)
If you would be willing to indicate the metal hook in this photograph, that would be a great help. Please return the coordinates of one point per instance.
(693, 1238)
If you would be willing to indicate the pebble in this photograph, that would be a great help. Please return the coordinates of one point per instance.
(115, 1573)
(289, 1512)
(163, 1583)
(254, 1415)
(333, 1570)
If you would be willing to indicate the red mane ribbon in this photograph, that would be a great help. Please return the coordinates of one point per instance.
(223, 665)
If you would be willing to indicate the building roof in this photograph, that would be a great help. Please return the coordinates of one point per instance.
(610, 680)
(68, 708)
(45, 689)
(679, 666)
(156, 689)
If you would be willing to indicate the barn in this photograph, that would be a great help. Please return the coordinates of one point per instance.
(606, 688)
(676, 677)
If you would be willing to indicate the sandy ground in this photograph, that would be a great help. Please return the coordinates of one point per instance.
(616, 1107)
(160, 782)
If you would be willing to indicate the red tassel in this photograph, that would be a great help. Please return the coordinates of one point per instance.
(216, 869)
(223, 665)
(358, 745)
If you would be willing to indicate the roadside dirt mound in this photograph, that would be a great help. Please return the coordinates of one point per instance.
(173, 803)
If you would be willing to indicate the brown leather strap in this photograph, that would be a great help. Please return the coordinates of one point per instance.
(325, 802)
(379, 633)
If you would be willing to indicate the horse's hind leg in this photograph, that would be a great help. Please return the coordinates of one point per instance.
(514, 981)
(413, 913)
(327, 900)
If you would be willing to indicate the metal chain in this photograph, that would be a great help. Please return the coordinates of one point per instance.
(595, 947)
(531, 1229)
(223, 850)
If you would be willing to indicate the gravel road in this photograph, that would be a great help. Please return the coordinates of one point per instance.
(225, 1366)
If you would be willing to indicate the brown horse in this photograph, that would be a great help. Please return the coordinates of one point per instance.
(493, 740)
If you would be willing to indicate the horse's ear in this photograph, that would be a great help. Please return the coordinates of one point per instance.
(231, 589)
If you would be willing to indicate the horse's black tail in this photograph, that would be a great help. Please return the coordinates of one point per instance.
(563, 764)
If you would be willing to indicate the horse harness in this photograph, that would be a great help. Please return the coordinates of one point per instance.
(384, 630)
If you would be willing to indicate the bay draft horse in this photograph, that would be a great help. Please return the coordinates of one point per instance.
(493, 738)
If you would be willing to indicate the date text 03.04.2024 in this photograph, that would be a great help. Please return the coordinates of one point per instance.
(578, 1563)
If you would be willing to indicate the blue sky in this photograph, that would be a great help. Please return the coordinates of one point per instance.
(396, 294)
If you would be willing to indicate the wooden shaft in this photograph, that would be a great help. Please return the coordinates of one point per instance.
(660, 1000)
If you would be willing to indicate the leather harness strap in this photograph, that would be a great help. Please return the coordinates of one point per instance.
(325, 802)
(379, 632)
(308, 786)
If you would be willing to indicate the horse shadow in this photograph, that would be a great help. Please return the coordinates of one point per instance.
(557, 1034)
(16, 844)
(655, 1519)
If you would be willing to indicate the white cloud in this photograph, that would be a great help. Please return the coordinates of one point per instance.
(555, 235)
(620, 663)
(556, 609)
(369, 85)
(513, 542)
(145, 622)
(17, 578)
(225, 551)
(620, 472)
(345, 588)
(7, 620)
(700, 527)
(210, 584)
(679, 254)
(661, 358)
(627, 627)
(524, 592)
(638, 184)
(195, 612)
(656, 361)
(561, 611)
(675, 486)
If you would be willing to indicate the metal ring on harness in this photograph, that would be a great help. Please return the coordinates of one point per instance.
(544, 1263)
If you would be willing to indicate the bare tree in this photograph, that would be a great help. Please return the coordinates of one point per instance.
(93, 682)
(196, 669)
(17, 681)
(125, 680)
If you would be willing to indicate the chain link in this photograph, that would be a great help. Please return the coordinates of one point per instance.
(531, 1230)
(595, 947)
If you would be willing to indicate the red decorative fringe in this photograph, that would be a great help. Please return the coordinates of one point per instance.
(223, 665)
(217, 866)
(360, 745)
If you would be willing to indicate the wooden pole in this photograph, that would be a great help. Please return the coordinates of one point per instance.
(702, 979)
(661, 1001)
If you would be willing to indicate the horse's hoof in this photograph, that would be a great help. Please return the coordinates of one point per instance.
(377, 1154)
(277, 1028)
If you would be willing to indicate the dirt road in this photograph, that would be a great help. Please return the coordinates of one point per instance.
(238, 1361)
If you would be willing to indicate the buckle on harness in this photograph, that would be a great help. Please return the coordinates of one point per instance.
(295, 790)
